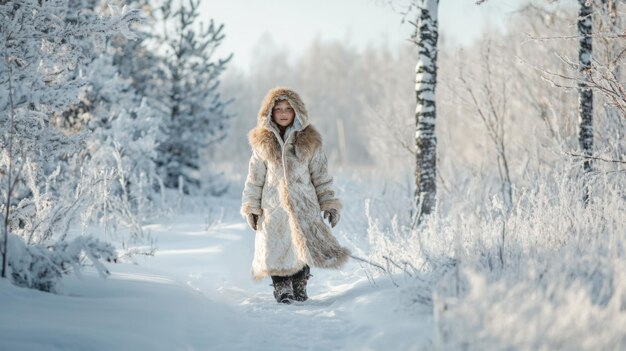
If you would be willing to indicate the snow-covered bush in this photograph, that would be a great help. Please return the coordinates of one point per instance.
(40, 266)
(525, 316)
(548, 274)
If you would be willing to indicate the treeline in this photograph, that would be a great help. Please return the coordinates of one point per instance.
(503, 100)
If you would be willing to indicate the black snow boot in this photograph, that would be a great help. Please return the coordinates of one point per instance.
(299, 281)
(283, 291)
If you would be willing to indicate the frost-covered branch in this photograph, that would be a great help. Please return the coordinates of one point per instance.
(491, 108)
(596, 158)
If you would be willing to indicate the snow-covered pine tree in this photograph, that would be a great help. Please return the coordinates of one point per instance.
(585, 94)
(195, 115)
(138, 60)
(41, 52)
(123, 137)
(425, 37)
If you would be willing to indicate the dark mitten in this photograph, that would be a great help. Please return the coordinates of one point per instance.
(252, 221)
(333, 216)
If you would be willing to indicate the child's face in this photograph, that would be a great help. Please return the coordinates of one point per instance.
(282, 113)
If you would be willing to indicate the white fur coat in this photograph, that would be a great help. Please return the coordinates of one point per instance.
(288, 186)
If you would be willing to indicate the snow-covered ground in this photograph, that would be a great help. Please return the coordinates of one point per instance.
(197, 294)
(557, 282)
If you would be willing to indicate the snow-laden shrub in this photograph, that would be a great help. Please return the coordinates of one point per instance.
(526, 316)
(41, 266)
(545, 274)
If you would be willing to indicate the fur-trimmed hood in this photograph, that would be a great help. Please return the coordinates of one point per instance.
(264, 118)
(265, 138)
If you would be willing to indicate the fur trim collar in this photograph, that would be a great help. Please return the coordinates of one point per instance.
(265, 143)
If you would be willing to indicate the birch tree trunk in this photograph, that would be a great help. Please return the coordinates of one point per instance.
(585, 95)
(425, 37)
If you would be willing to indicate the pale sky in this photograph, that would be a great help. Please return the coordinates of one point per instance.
(295, 23)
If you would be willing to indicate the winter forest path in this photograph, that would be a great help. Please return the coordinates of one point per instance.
(344, 310)
(196, 293)
(216, 263)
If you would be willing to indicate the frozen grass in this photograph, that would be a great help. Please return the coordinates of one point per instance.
(547, 273)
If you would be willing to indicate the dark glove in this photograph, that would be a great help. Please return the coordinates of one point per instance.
(252, 220)
(333, 216)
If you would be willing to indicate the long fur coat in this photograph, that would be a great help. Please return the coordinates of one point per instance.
(288, 186)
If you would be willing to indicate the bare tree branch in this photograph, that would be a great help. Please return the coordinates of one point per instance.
(595, 158)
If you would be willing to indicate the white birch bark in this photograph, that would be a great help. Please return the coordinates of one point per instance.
(425, 38)
(585, 95)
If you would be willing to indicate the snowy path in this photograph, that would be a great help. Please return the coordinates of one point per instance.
(197, 294)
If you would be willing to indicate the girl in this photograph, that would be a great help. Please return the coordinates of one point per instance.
(287, 188)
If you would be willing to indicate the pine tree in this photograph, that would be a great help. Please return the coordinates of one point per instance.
(425, 37)
(195, 115)
(123, 135)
